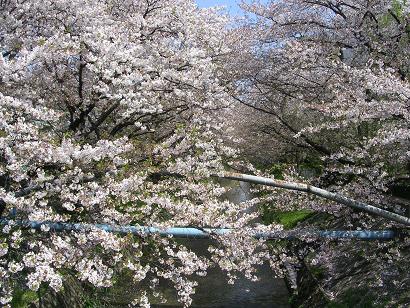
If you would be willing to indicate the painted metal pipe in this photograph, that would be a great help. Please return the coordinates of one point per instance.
(318, 192)
(196, 233)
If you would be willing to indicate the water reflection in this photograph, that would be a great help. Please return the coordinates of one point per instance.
(214, 290)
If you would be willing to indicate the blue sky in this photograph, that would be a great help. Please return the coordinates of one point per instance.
(231, 5)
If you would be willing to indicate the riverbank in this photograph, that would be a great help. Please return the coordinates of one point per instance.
(352, 273)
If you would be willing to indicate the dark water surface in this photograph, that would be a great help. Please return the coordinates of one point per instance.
(214, 290)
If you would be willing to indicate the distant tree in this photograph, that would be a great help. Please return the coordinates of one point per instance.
(329, 79)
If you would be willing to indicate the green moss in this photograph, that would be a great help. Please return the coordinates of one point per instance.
(317, 272)
(291, 219)
(313, 164)
(23, 298)
(277, 171)
(91, 298)
(293, 299)
(91, 303)
(288, 219)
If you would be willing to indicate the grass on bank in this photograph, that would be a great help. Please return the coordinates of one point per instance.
(288, 219)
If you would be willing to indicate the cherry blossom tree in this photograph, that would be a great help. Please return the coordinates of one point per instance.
(114, 112)
(109, 113)
(330, 78)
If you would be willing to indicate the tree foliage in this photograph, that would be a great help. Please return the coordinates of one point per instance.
(102, 104)
(117, 112)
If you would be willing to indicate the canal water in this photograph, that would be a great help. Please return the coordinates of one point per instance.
(214, 290)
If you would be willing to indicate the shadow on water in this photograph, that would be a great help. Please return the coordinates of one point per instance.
(214, 291)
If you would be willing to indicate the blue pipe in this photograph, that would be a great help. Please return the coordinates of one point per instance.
(364, 235)
(205, 233)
